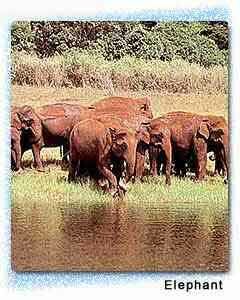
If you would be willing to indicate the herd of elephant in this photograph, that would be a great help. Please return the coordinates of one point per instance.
(110, 139)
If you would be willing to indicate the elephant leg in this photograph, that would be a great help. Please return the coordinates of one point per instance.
(36, 148)
(118, 168)
(73, 166)
(18, 156)
(200, 148)
(140, 161)
(167, 148)
(218, 168)
(153, 157)
(180, 168)
(65, 161)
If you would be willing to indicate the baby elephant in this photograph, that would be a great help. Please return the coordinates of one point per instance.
(160, 148)
(97, 147)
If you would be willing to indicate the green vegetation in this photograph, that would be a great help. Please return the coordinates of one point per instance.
(207, 199)
(175, 57)
(204, 43)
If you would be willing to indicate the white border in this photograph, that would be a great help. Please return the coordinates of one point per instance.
(146, 287)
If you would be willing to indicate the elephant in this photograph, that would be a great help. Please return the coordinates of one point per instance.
(220, 148)
(46, 126)
(160, 148)
(138, 123)
(139, 106)
(193, 136)
(96, 145)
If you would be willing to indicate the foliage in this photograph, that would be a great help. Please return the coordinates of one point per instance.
(205, 43)
(22, 37)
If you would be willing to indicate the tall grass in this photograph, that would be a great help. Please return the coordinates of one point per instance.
(80, 69)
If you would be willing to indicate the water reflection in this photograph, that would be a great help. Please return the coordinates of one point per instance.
(115, 237)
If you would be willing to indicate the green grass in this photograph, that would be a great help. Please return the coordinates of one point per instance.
(207, 199)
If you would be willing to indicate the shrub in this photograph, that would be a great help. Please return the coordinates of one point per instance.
(204, 43)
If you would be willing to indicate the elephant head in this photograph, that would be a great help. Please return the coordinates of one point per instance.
(214, 130)
(30, 123)
(124, 145)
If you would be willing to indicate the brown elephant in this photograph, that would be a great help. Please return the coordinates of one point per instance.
(193, 135)
(123, 104)
(220, 148)
(137, 123)
(134, 112)
(96, 146)
(46, 126)
(160, 148)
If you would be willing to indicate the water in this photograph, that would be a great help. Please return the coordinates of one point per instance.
(115, 236)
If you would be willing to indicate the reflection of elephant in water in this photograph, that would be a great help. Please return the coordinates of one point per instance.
(97, 146)
(194, 135)
(47, 126)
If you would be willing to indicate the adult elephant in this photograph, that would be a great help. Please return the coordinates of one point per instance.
(139, 106)
(221, 148)
(97, 145)
(134, 113)
(46, 126)
(136, 122)
(193, 135)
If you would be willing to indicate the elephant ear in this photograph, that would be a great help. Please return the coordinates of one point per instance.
(15, 121)
(204, 130)
(143, 134)
(217, 133)
(26, 115)
(31, 121)
(119, 138)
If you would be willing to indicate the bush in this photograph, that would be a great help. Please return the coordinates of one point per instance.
(22, 37)
(204, 43)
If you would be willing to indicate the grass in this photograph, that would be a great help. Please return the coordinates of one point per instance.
(208, 198)
(78, 69)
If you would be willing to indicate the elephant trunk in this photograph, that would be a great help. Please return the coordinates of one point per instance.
(130, 160)
(130, 171)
